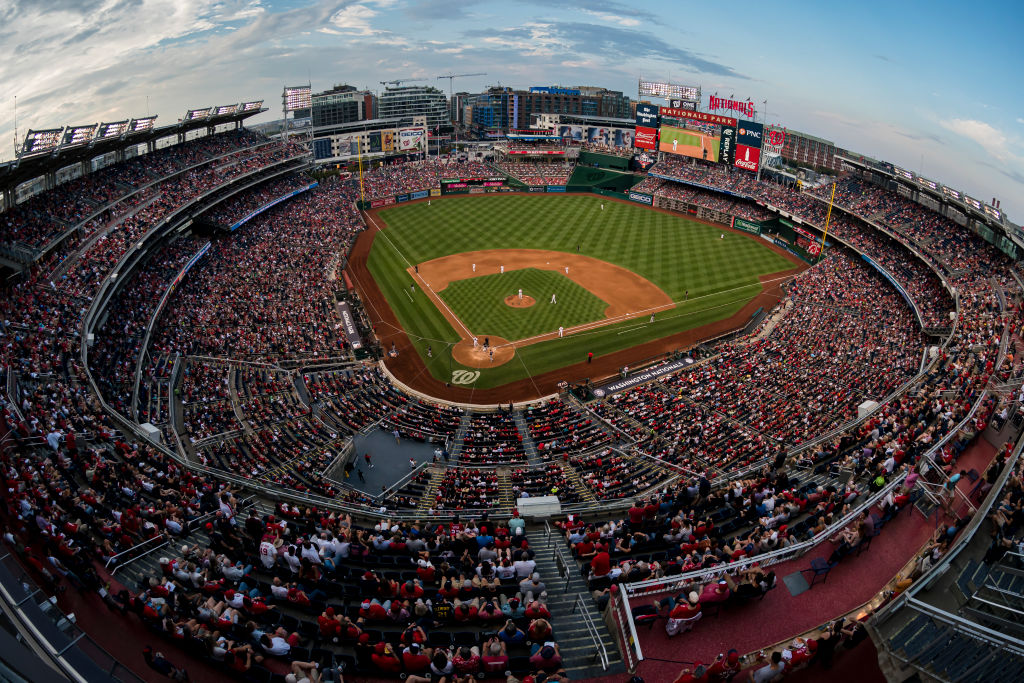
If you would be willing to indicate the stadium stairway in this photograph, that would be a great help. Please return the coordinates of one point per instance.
(573, 477)
(564, 585)
(532, 457)
(460, 435)
(430, 492)
(506, 499)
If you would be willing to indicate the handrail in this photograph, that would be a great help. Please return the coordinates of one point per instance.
(599, 649)
(960, 543)
(144, 346)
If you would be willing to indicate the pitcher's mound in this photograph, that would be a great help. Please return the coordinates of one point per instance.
(515, 302)
(478, 357)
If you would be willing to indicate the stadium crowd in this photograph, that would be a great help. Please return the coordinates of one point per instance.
(291, 585)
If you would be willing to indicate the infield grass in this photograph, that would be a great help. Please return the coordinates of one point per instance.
(685, 258)
(479, 302)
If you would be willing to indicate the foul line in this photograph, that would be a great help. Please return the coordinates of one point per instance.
(423, 285)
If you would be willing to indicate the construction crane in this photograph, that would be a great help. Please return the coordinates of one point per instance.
(452, 77)
(400, 81)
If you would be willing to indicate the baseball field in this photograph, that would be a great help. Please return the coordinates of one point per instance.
(596, 276)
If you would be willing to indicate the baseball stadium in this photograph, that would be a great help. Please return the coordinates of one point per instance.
(290, 396)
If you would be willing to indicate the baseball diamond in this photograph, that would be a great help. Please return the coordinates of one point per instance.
(438, 269)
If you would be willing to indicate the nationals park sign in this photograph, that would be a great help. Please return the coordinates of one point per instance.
(640, 378)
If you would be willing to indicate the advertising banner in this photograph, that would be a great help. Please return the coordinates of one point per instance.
(402, 198)
(376, 203)
(422, 194)
(749, 135)
(646, 138)
(435, 192)
(375, 145)
(701, 116)
(647, 115)
(389, 141)
(727, 148)
(746, 226)
(610, 137)
(348, 324)
(571, 133)
(748, 158)
(641, 198)
(643, 161)
(556, 188)
(410, 139)
(640, 378)
(535, 188)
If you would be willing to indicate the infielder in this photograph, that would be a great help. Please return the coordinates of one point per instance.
(553, 300)
(520, 294)
(560, 330)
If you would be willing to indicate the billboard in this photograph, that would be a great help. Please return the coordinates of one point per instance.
(375, 145)
(743, 107)
(646, 138)
(610, 137)
(774, 140)
(749, 136)
(647, 115)
(571, 133)
(388, 140)
(727, 146)
(410, 139)
(322, 148)
(682, 104)
(643, 161)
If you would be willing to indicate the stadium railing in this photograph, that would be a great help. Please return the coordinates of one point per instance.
(677, 583)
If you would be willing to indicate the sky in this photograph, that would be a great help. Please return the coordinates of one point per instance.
(933, 87)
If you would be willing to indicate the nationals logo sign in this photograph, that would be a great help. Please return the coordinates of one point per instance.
(774, 139)
(745, 108)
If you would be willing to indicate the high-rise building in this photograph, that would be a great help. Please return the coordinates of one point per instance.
(501, 109)
(414, 100)
(342, 104)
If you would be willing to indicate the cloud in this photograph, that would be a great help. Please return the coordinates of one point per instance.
(442, 10)
(614, 45)
(1020, 120)
(987, 137)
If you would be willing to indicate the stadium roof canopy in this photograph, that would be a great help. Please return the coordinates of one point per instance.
(28, 167)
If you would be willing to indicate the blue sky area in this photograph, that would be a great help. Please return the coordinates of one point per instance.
(934, 87)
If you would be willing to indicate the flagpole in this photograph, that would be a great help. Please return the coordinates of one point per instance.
(827, 217)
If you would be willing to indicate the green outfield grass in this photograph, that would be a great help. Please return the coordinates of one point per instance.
(684, 258)
(479, 302)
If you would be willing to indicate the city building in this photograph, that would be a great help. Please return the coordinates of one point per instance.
(342, 104)
(406, 102)
(498, 110)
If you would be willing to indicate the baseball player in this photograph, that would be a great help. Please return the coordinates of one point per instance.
(502, 269)
(520, 294)
(567, 270)
(560, 330)
(474, 267)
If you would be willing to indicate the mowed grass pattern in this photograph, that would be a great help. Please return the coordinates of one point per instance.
(677, 254)
(479, 302)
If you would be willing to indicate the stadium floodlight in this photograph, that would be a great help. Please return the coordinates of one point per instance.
(297, 97)
(225, 109)
(255, 105)
(78, 135)
(40, 141)
(669, 91)
(930, 184)
(198, 114)
(111, 129)
(142, 125)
